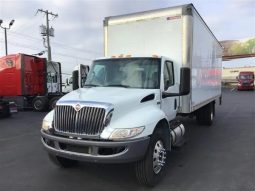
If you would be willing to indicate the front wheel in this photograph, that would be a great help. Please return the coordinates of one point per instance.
(151, 169)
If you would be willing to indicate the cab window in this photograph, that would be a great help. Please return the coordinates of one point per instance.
(168, 75)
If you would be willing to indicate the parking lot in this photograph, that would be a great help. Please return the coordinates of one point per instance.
(218, 158)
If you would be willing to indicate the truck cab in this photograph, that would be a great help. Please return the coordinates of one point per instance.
(245, 81)
(127, 103)
(144, 89)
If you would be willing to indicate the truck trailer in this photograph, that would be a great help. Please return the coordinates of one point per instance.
(30, 81)
(159, 66)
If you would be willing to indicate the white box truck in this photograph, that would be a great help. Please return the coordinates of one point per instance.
(158, 65)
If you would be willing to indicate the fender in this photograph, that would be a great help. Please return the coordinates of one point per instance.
(49, 116)
(148, 116)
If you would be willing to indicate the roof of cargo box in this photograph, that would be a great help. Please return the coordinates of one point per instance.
(186, 9)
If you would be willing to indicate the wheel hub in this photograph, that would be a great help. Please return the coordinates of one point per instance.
(159, 156)
(38, 103)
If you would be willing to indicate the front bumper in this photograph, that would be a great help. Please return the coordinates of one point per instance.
(245, 87)
(95, 150)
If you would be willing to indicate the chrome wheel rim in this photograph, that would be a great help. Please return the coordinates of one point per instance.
(159, 157)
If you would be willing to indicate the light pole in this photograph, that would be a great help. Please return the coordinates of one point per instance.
(5, 33)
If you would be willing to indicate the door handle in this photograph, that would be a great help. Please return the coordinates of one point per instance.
(175, 104)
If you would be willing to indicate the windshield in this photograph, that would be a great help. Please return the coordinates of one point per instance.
(125, 72)
(246, 77)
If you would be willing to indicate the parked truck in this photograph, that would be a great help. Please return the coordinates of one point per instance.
(30, 81)
(129, 108)
(77, 79)
(245, 80)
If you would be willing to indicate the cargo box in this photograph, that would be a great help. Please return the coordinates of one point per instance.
(22, 75)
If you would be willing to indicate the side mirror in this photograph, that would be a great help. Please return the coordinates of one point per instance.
(75, 76)
(184, 89)
(185, 81)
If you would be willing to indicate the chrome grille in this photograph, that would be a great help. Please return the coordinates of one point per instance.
(86, 121)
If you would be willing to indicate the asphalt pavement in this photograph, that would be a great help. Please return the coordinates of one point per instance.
(216, 158)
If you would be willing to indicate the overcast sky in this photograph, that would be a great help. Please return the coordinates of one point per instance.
(79, 25)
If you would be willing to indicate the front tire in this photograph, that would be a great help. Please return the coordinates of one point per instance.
(151, 169)
(62, 162)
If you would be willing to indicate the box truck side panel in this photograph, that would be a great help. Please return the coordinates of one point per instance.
(10, 76)
(206, 65)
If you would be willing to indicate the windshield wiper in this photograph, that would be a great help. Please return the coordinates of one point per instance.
(118, 85)
(90, 85)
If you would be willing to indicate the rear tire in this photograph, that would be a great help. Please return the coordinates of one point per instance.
(205, 115)
(62, 162)
(151, 169)
(40, 103)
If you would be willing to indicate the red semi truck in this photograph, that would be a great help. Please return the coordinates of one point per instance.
(30, 81)
(245, 81)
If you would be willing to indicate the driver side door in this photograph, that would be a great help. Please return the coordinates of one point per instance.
(169, 104)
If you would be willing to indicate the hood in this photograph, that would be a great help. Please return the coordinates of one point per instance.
(122, 99)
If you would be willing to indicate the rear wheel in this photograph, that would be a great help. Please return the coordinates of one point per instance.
(151, 169)
(40, 103)
(205, 115)
(62, 162)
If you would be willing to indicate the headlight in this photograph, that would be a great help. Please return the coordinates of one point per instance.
(46, 125)
(126, 133)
